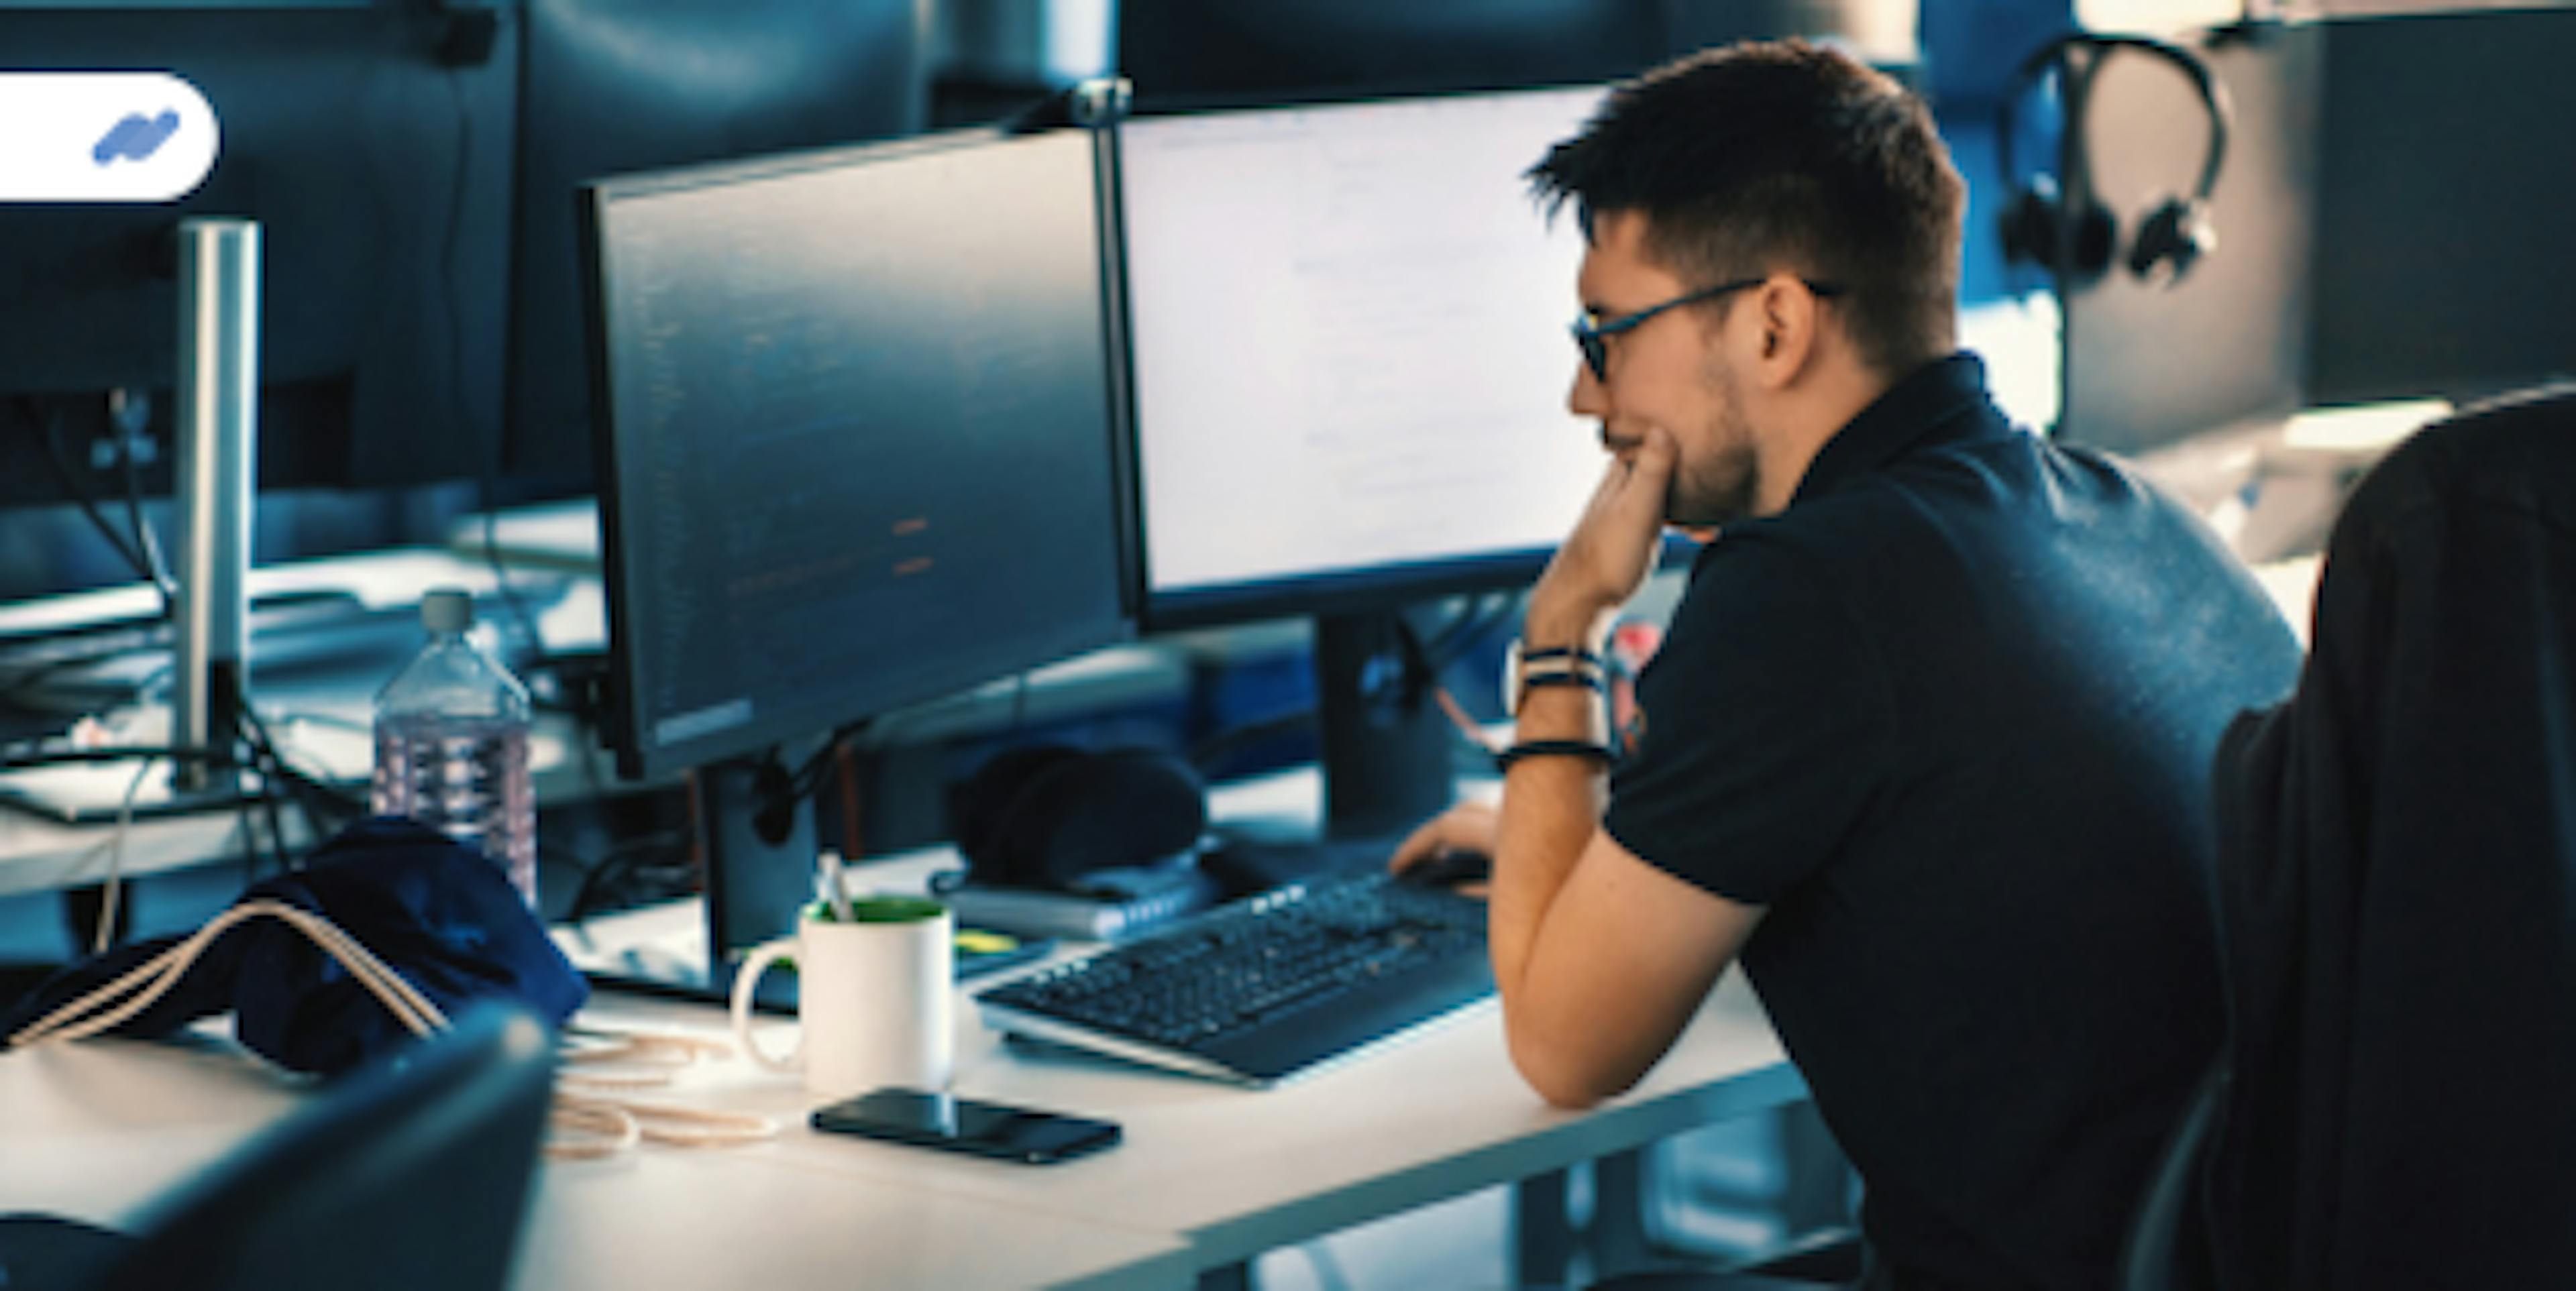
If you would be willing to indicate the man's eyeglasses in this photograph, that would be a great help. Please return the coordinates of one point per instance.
(1593, 338)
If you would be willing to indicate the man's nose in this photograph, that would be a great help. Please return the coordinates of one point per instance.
(1586, 398)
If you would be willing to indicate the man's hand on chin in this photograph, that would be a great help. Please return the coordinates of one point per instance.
(1612, 548)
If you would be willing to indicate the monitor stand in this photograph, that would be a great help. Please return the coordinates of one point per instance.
(760, 855)
(1387, 746)
(217, 362)
(759, 875)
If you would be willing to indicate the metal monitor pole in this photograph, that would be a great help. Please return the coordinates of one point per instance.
(218, 433)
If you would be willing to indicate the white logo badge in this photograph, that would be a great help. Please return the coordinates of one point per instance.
(102, 137)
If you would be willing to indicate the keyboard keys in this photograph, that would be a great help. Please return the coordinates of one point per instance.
(1274, 979)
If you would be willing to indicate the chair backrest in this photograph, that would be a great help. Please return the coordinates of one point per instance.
(2397, 850)
(2166, 1247)
(412, 1173)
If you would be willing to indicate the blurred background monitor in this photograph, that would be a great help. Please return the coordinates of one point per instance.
(1204, 51)
(614, 86)
(372, 143)
(2445, 188)
(856, 452)
(2148, 364)
(2389, 225)
(1194, 52)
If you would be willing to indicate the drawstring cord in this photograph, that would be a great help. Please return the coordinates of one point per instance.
(591, 1117)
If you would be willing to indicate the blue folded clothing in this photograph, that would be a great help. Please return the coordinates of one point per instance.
(435, 911)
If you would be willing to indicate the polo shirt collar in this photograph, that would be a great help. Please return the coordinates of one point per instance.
(1941, 402)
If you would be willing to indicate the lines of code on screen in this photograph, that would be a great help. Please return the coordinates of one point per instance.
(861, 440)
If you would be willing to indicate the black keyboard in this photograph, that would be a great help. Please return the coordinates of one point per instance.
(1270, 987)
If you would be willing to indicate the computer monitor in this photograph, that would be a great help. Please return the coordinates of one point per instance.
(1350, 369)
(613, 87)
(1197, 52)
(2442, 266)
(375, 153)
(1208, 53)
(856, 452)
(2149, 365)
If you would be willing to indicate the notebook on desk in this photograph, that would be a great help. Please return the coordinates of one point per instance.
(1110, 904)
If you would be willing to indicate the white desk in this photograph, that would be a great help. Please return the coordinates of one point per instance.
(96, 1128)
(1234, 1172)
(1208, 1177)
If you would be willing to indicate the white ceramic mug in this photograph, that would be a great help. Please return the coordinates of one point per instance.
(872, 997)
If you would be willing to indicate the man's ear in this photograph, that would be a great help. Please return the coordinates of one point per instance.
(1787, 341)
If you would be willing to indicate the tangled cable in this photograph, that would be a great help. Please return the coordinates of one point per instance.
(589, 1103)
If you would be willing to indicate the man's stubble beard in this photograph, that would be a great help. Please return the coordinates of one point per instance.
(1718, 489)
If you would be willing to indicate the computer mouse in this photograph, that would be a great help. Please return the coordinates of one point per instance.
(1450, 869)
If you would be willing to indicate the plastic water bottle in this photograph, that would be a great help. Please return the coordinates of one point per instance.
(452, 744)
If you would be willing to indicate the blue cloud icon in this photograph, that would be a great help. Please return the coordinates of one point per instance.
(136, 137)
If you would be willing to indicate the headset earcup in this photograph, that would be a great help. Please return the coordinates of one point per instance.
(2092, 239)
(2176, 235)
(2029, 223)
(2037, 231)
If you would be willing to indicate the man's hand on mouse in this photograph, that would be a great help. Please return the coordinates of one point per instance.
(1466, 827)
(1601, 565)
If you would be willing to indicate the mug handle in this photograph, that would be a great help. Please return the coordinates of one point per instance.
(746, 980)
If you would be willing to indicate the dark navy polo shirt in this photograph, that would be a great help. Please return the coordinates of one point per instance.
(1950, 718)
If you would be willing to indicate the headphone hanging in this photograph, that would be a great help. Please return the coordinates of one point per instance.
(2062, 225)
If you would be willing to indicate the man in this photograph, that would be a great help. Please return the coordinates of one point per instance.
(1928, 740)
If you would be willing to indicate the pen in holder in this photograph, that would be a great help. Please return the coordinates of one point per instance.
(828, 886)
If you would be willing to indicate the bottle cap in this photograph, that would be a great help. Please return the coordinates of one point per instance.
(446, 609)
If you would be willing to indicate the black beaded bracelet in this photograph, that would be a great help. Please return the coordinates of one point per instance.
(1570, 677)
(1553, 748)
(1576, 653)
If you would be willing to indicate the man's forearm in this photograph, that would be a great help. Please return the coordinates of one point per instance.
(1551, 807)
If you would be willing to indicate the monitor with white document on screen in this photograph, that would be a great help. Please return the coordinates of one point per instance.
(1347, 331)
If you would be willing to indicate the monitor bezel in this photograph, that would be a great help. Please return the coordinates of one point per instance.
(1357, 589)
(620, 731)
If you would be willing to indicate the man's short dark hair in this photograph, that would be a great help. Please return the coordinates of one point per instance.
(1782, 156)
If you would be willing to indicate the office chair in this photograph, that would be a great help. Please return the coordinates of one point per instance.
(2397, 888)
(2396, 862)
(1772, 1187)
(2165, 1248)
(409, 1175)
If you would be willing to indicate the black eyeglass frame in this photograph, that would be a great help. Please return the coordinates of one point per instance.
(1590, 337)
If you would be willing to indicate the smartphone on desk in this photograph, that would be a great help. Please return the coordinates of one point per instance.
(963, 1125)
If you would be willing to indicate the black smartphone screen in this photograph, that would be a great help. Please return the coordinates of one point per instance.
(964, 1125)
